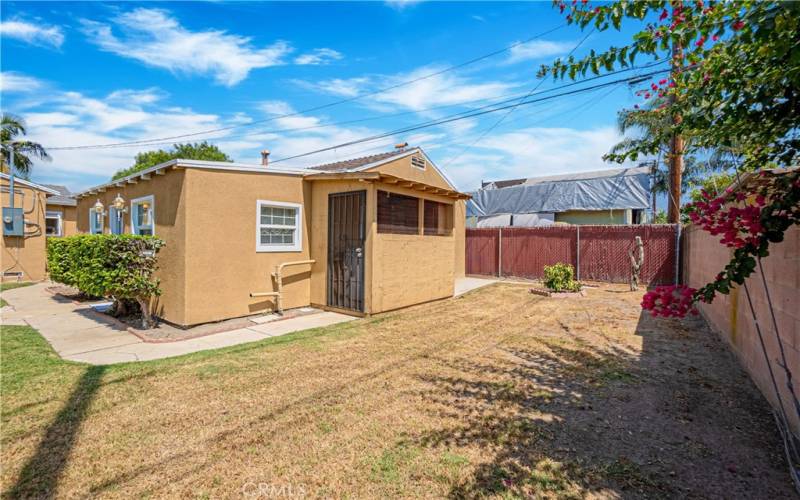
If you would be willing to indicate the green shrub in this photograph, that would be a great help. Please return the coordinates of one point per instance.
(119, 267)
(559, 278)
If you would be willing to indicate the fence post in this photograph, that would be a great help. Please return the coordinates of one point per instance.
(677, 251)
(500, 252)
(578, 254)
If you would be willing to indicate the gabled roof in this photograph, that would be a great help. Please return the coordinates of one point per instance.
(596, 174)
(30, 184)
(359, 163)
(604, 190)
(372, 161)
(64, 196)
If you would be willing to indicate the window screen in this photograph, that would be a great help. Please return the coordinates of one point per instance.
(438, 218)
(278, 227)
(143, 216)
(52, 223)
(397, 213)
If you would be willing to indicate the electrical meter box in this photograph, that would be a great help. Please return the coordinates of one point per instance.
(13, 222)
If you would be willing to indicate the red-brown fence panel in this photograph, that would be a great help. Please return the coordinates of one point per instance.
(482, 251)
(525, 251)
(604, 253)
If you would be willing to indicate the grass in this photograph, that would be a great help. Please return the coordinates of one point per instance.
(11, 286)
(480, 396)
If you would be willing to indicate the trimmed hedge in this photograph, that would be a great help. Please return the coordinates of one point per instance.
(117, 266)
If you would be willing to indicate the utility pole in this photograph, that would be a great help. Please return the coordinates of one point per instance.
(676, 144)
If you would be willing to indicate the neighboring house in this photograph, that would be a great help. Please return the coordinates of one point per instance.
(615, 196)
(61, 215)
(384, 231)
(24, 247)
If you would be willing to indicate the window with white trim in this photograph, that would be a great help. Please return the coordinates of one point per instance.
(95, 222)
(279, 226)
(143, 214)
(116, 223)
(53, 223)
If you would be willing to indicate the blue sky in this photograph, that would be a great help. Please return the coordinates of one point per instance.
(98, 73)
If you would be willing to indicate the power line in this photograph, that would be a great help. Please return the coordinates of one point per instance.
(433, 123)
(335, 103)
(361, 120)
(500, 120)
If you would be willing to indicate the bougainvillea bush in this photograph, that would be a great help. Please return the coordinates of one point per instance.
(747, 218)
(119, 267)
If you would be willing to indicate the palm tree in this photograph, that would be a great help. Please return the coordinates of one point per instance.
(10, 128)
(649, 124)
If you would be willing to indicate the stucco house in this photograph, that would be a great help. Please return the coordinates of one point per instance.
(613, 196)
(24, 245)
(383, 231)
(61, 212)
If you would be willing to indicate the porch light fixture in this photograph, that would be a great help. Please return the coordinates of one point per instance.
(119, 204)
(99, 208)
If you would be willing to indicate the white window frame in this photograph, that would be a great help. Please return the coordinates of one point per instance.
(115, 215)
(138, 201)
(92, 214)
(58, 214)
(297, 246)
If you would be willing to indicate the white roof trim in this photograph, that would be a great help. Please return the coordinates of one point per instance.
(211, 165)
(30, 184)
(403, 155)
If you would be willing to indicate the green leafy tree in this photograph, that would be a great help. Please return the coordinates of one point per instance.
(188, 151)
(737, 83)
(11, 128)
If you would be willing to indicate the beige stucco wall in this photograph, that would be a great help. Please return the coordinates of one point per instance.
(222, 265)
(730, 315)
(411, 269)
(320, 189)
(27, 254)
(169, 200)
(69, 221)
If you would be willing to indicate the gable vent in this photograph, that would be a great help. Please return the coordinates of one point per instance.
(418, 161)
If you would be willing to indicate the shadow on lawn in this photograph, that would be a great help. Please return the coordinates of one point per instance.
(40, 475)
(573, 418)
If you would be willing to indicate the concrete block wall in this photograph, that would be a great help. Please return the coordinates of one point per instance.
(730, 315)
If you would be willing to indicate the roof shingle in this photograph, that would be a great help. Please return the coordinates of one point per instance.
(345, 165)
(64, 196)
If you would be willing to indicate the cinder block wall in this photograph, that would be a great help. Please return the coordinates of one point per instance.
(731, 317)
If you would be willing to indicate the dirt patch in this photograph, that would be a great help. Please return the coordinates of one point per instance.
(497, 393)
(71, 293)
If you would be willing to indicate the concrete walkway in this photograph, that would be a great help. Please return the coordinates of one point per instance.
(79, 334)
(467, 284)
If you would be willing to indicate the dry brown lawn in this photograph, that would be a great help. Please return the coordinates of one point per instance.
(497, 393)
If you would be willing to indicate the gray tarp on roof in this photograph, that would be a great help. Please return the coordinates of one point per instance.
(604, 190)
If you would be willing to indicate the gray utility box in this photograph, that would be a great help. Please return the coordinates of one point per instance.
(13, 222)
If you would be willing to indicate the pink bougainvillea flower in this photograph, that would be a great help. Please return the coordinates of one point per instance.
(664, 15)
(737, 25)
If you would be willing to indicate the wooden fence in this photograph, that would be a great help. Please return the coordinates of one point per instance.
(598, 253)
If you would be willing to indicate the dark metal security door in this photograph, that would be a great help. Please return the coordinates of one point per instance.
(346, 230)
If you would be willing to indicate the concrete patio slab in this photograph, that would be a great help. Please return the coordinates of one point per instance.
(79, 334)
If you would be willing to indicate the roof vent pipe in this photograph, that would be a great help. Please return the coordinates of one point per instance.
(265, 157)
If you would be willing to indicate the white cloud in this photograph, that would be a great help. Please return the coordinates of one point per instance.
(530, 152)
(155, 38)
(11, 81)
(34, 33)
(537, 49)
(319, 57)
(479, 18)
(401, 4)
(438, 90)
